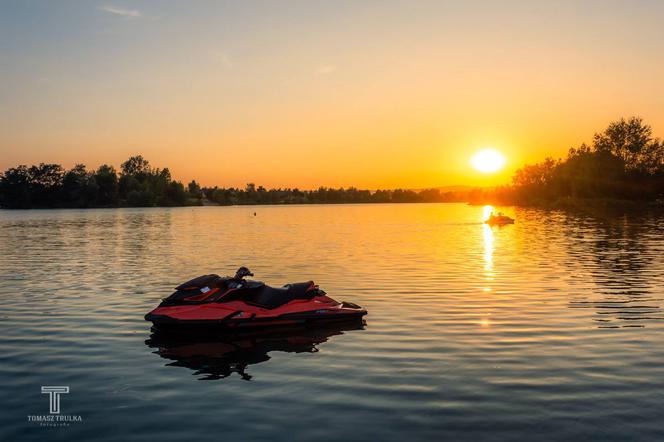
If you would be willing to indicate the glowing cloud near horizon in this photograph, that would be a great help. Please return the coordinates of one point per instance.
(487, 161)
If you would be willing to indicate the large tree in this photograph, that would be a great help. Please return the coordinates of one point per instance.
(107, 180)
(15, 188)
(45, 184)
(79, 188)
(136, 165)
(632, 141)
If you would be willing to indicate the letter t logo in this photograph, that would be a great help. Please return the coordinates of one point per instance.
(54, 397)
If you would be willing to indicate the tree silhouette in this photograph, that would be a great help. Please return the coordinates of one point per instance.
(624, 161)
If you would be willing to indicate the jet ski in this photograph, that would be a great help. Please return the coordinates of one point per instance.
(235, 303)
(499, 220)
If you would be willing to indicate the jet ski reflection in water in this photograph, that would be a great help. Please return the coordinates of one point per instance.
(218, 356)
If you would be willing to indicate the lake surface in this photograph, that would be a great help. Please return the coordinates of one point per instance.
(548, 329)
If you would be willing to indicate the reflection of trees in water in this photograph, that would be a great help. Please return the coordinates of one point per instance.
(622, 257)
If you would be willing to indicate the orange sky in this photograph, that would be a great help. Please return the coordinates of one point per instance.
(373, 95)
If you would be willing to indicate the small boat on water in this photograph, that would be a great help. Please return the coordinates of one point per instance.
(498, 220)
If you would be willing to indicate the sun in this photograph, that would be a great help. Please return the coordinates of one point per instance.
(488, 161)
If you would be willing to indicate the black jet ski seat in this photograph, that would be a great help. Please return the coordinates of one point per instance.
(272, 297)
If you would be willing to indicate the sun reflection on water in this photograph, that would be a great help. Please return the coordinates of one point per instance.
(486, 211)
(488, 240)
(487, 233)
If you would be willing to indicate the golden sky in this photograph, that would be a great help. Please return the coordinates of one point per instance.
(366, 94)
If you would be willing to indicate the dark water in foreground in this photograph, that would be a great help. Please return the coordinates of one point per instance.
(550, 329)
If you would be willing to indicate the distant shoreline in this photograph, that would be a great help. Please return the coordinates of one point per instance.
(623, 168)
(212, 204)
(138, 184)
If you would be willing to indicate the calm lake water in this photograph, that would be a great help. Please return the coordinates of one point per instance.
(548, 329)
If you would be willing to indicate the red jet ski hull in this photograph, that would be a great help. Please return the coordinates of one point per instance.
(240, 315)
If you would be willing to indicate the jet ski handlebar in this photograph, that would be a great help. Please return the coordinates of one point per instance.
(242, 272)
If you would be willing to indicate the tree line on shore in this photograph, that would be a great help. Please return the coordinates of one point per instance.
(138, 184)
(324, 195)
(50, 186)
(623, 162)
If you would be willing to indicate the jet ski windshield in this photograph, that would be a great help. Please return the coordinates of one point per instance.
(199, 282)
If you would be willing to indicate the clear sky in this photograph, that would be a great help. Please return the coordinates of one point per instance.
(363, 93)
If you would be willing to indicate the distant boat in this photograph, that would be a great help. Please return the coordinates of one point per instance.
(499, 220)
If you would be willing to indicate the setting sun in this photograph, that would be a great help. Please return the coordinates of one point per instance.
(488, 161)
